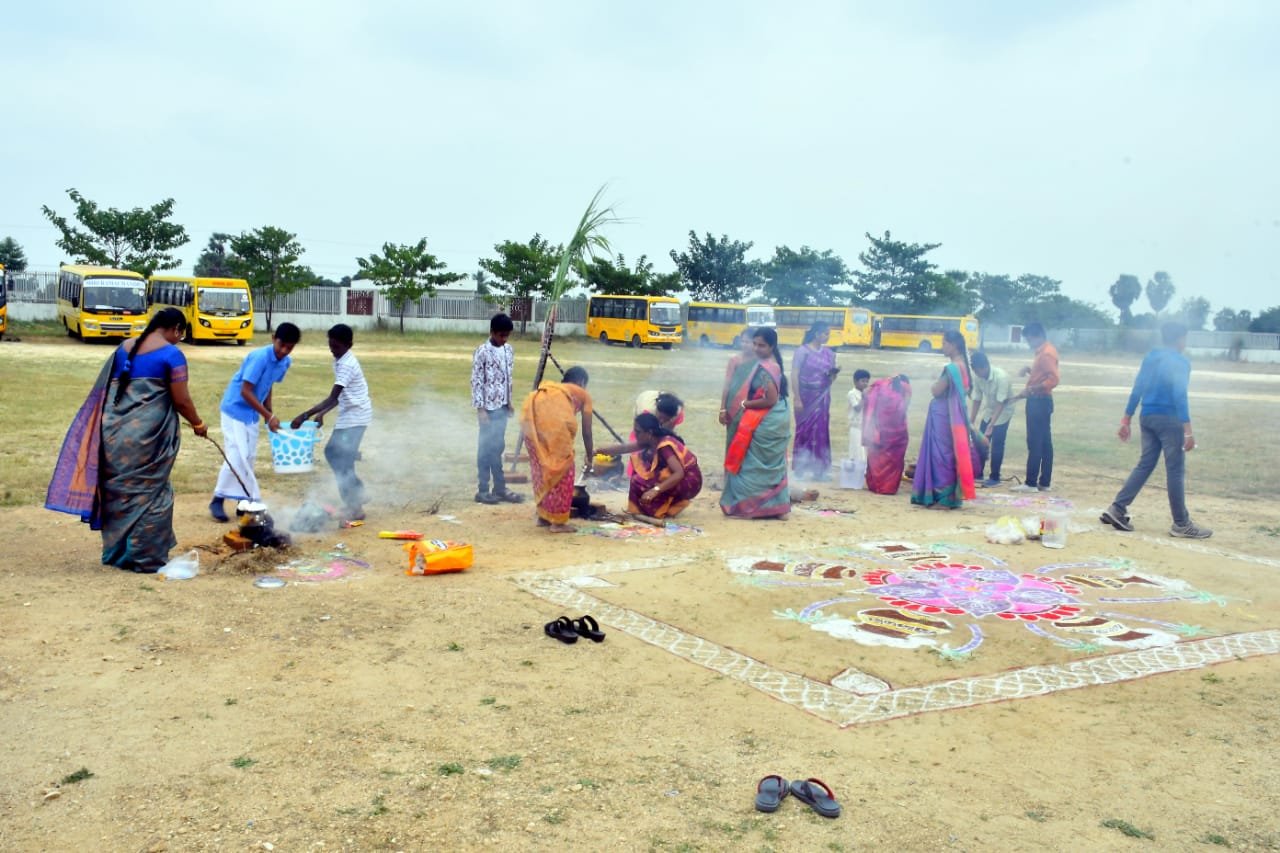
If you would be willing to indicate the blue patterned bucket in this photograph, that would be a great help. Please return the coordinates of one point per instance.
(293, 451)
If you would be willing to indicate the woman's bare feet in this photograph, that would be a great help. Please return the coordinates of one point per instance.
(562, 528)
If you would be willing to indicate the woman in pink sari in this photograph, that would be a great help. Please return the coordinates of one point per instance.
(884, 432)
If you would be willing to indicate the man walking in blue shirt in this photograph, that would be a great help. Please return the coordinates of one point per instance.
(1161, 388)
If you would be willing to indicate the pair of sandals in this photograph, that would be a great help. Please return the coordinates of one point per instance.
(568, 630)
(812, 792)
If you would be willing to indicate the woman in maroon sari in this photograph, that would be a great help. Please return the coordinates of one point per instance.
(813, 370)
(884, 432)
(665, 474)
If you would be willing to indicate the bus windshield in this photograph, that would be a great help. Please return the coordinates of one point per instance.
(222, 300)
(114, 296)
(664, 313)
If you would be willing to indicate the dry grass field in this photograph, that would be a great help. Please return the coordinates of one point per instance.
(375, 711)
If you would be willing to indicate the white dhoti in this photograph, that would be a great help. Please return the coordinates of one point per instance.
(857, 452)
(240, 441)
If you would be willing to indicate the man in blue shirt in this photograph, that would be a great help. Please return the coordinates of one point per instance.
(248, 398)
(1161, 388)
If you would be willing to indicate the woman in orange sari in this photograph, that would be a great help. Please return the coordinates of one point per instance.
(549, 421)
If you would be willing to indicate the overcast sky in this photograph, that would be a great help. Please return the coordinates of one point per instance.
(1078, 140)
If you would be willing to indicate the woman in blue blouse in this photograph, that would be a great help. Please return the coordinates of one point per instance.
(114, 467)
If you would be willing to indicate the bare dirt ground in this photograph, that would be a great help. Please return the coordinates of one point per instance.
(379, 711)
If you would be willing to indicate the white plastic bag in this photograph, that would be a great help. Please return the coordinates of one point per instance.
(1005, 530)
(182, 568)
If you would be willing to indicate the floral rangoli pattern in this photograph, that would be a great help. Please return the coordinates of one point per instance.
(925, 595)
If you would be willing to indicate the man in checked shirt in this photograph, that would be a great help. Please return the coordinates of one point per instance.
(491, 369)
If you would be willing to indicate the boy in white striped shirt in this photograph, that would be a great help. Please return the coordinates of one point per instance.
(350, 393)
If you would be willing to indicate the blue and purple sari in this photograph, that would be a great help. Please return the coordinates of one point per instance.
(948, 452)
(113, 470)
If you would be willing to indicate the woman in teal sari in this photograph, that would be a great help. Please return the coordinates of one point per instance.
(114, 467)
(759, 421)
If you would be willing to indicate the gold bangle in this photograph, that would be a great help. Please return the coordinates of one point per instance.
(197, 425)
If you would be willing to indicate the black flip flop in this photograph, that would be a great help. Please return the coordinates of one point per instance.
(562, 630)
(816, 794)
(589, 628)
(770, 792)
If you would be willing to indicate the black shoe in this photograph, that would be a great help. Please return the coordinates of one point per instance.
(509, 496)
(486, 498)
(1116, 519)
(219, 514)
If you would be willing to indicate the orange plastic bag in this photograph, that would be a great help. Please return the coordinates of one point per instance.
(438, 557)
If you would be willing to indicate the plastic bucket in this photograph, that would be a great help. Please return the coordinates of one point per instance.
(293, 451)
(853, 474)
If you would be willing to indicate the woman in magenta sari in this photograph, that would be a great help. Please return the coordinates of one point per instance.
(813, 371)
(948, 452)
(884, 432)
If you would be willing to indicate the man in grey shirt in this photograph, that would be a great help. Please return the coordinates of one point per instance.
(992, 396)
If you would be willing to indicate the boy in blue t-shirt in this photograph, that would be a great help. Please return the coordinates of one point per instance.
(246, 401)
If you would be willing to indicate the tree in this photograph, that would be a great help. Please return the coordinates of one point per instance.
(1004, 299)
(1228, 320)
(1160, 290)
(522, 270)
(481, 279)
(214, 262)
(806, 277)
(1194, 312)
(1059, 311)
(610, 275)
(140, 239)
(268, 258)
(407, 273)
(1124, 293)
(12, 258)
(897, 278)
(717, 270)
(1267, 321)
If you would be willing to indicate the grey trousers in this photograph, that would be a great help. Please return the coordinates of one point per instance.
(1160, 434)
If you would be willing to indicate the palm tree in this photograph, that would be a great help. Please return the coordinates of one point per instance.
(587, 242)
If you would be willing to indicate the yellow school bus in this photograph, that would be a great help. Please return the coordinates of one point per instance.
(217, 309)
(101, 302)
(4, 301)
(921, 331)
(634, 320)
(850, 325)
(722, 323)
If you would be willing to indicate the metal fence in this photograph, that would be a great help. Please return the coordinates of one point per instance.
(34, 287)
(313, 300)
(1141, 340)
